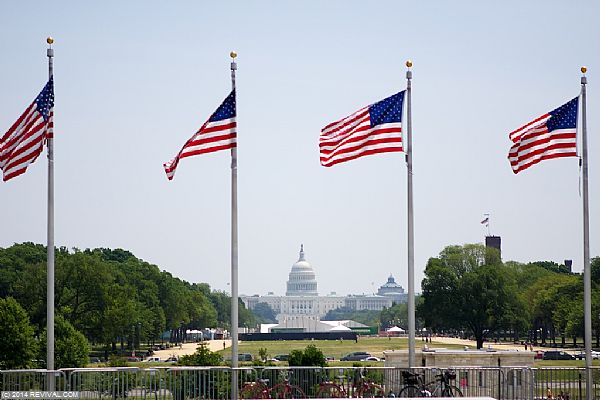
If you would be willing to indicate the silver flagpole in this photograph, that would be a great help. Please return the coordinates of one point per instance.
(50, 247)
(587, 281)
(234, 251)
(411, 238)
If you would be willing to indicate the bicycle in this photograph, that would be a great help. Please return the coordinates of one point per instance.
(284, 390)
(362, 387)
(440, 387)
(365, 387)
(260, 390)
(255, 390)
(330, 389)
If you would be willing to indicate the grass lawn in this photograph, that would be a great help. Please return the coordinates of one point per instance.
(335, 348)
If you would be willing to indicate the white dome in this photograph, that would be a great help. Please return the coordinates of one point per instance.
(302, 279)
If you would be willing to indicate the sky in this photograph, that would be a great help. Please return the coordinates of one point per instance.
(134, 80)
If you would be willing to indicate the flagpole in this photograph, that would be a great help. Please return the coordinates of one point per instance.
(411, 245)
(50, 244)
(234, 251)
(587, 285)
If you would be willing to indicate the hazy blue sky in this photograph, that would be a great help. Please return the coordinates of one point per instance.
(135, 79)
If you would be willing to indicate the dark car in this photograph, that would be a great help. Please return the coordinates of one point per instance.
(355, 356)
(557, 355)
(245, 357)
(282, 357)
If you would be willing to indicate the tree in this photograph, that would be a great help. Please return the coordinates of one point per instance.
(202, 357)
(310, 357)
(367, 317)
(17, 343)
(71, 348)
(264, 313)
(467, 287)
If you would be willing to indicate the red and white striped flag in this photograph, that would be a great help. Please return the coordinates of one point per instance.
(218, 133)
(373, 129)
(24, 141)
(552, 135)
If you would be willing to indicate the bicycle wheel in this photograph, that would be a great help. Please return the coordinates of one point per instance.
(252, 391)
(283, 391)
(371, 390)
(330, 391)
(410, 391)
(451, 391)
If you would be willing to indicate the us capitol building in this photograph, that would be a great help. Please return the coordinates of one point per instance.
(302, 301)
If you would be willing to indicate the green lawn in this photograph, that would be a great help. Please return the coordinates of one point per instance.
(335, 348)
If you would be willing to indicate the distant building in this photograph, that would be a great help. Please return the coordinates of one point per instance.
(393, 290)
(494, 242)
(303, 304)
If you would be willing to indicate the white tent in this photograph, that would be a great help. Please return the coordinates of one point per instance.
(395, 329)
(340, 328)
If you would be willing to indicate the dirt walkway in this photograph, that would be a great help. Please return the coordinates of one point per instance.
(190, 348)
(499, 346)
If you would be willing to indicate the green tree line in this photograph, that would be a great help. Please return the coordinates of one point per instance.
(469, 289)
(110, 296)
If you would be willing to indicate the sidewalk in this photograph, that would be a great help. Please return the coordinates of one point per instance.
(499, 346)
(190, 348)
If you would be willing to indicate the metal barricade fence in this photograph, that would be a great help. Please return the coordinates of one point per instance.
(32, 380)
(104, 383)
(182, 383)
(556, 382)
(471, 381)
(199, 382)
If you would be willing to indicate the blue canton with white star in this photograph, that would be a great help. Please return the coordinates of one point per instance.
(388, 110)
(564, 117)
(45, 100)
(226, 110)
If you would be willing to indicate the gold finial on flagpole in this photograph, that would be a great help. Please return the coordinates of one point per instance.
(50, 40)
(233, 54)
(583, 69)
(408, 63)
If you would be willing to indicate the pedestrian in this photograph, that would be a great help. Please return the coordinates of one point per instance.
(223, 345)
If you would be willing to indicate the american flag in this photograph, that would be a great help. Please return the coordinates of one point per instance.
(24, 141)
(373, 129)
(218, 133)
(552, 135)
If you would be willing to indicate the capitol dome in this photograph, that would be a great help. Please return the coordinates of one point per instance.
(302, 280)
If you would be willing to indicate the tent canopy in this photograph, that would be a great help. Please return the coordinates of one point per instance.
(395, 329)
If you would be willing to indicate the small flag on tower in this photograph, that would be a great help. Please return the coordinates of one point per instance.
(552, 135)
(218, 133)
(24, 141)
(485, 221)
(373, 129)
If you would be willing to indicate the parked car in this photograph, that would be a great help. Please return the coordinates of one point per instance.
(371, 358)
(172, 359)
(538, 355)
(152, 359)
(94, 360)
(581, 355)
(133, 359)
(245, 357)
(355, 356)
(557, 355)
(282, 357)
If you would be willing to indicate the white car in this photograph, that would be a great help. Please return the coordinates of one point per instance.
(581, 355)
(371, 358)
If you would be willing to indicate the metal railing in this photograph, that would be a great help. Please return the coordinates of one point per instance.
(181, 383)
